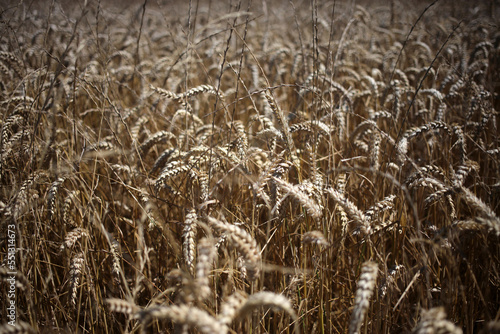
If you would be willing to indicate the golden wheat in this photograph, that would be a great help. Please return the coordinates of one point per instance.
(236, 167)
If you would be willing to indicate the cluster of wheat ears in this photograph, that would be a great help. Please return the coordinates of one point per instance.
(251, 167)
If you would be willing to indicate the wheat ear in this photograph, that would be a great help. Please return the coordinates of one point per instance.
(20, 327)
(231, 306)
(189, 239)
(312, 208)
(490, 219)
(269, 300)
(75, 273)
(206, 253)
(159, 137)
(73, 236)
(21, 281)
(314, 237)
(51, 197)
(366, 284)
(352, 210)
(390, 279)
(402, 146)
(184, 314)
(243, 242)
(434, 321)
(283, 122)
(122, 306)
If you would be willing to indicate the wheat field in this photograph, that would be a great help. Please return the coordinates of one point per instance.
(249, 167)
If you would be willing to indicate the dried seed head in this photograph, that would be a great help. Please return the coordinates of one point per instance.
(312, 208)
(184, 314)
(20, 327)
(268, 300)
(314, 237)
(51, 198)
(114, 248)
(75, 273)
(244, 243)
(122, 306)
(231, 306)
(206, 253)
(189, 239)
(434, 321)
(390, 280)
(73, 237)
(366, 284)
(352, 210)
(159, 137)
(21, 281)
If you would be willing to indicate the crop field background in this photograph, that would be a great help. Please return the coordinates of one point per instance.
(250, 166)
